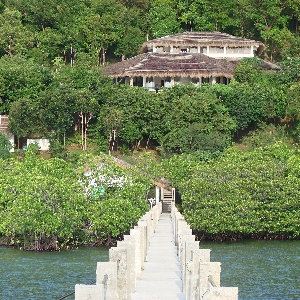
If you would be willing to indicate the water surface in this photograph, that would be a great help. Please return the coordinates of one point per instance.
(260, 269)
(46, 275)
(268, 270)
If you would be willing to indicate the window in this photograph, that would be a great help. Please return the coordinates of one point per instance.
(216, 50)
(168, 82)
(203, 50)
(194, 49)
(205, 80)
(159, 49)
(167, 49)
(195, 81)
(138, 81)
(238, 50)
(149, 82)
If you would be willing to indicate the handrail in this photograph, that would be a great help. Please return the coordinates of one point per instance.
(72, 293)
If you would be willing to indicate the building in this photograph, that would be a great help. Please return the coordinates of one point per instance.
(43, 144)
(197, 57)
(3, 129)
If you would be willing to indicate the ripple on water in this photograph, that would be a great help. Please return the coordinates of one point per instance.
(46, 275)
(260, 269)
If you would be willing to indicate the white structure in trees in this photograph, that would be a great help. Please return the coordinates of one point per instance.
(197, 57)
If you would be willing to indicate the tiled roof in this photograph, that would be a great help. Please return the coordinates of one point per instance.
(171, 64)
(202, 38)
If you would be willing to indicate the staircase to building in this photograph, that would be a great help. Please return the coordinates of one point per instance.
(167, 199)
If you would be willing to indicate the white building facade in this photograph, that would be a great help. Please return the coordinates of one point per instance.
(184, 58)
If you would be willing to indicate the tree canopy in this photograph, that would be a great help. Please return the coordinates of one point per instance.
(44, 30)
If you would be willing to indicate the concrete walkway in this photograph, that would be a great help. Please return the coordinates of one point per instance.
(161, 277)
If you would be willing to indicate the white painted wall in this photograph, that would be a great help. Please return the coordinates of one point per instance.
(43, 143)
(11, 138)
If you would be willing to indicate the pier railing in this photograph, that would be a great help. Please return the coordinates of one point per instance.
(200, 276)
(116, 279)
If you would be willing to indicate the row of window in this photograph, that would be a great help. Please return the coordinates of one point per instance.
(203, 50)
(158, 82)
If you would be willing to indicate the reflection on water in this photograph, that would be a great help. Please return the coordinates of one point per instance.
(260, 269)
(46, 275)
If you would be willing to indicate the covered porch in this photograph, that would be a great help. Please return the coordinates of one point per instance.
(154, 83)
(154, 71)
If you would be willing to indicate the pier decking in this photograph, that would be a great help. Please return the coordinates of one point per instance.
(161, 277)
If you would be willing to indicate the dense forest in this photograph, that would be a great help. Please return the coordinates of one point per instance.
(52, 86)
(51, 29)
(231, 150)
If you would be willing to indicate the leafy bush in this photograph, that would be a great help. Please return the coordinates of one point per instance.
(5, 146)
(265, 135)
(43, 203)
(119, 205)
(48, 205)
(251, 194)
(195, 138)
(57, 149)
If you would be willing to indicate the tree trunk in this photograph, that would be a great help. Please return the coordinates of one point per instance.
(103, 56)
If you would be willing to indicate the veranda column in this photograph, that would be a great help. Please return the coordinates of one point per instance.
(172, 81)
(157, 188)
(131, 81)
(207, 50)
(144, 81)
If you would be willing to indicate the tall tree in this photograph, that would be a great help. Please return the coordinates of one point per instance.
(21, 78)
(206, 15)
(270, 22)
(132, 36)
(100, 28)
(14, 37)
(162, 19)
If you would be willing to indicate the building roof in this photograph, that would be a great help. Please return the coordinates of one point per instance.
(203, 38)
(171, 64)
(265, 65)
(3, 124)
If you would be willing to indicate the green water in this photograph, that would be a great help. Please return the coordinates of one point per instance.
(46, 275)
(261, 270)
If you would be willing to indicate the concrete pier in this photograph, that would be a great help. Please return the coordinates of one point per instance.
(160, 259)
(161, 277)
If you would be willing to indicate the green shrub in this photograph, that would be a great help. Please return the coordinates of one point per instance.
(5, 146)
(252, 194)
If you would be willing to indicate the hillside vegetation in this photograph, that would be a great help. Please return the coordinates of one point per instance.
(231, 150)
